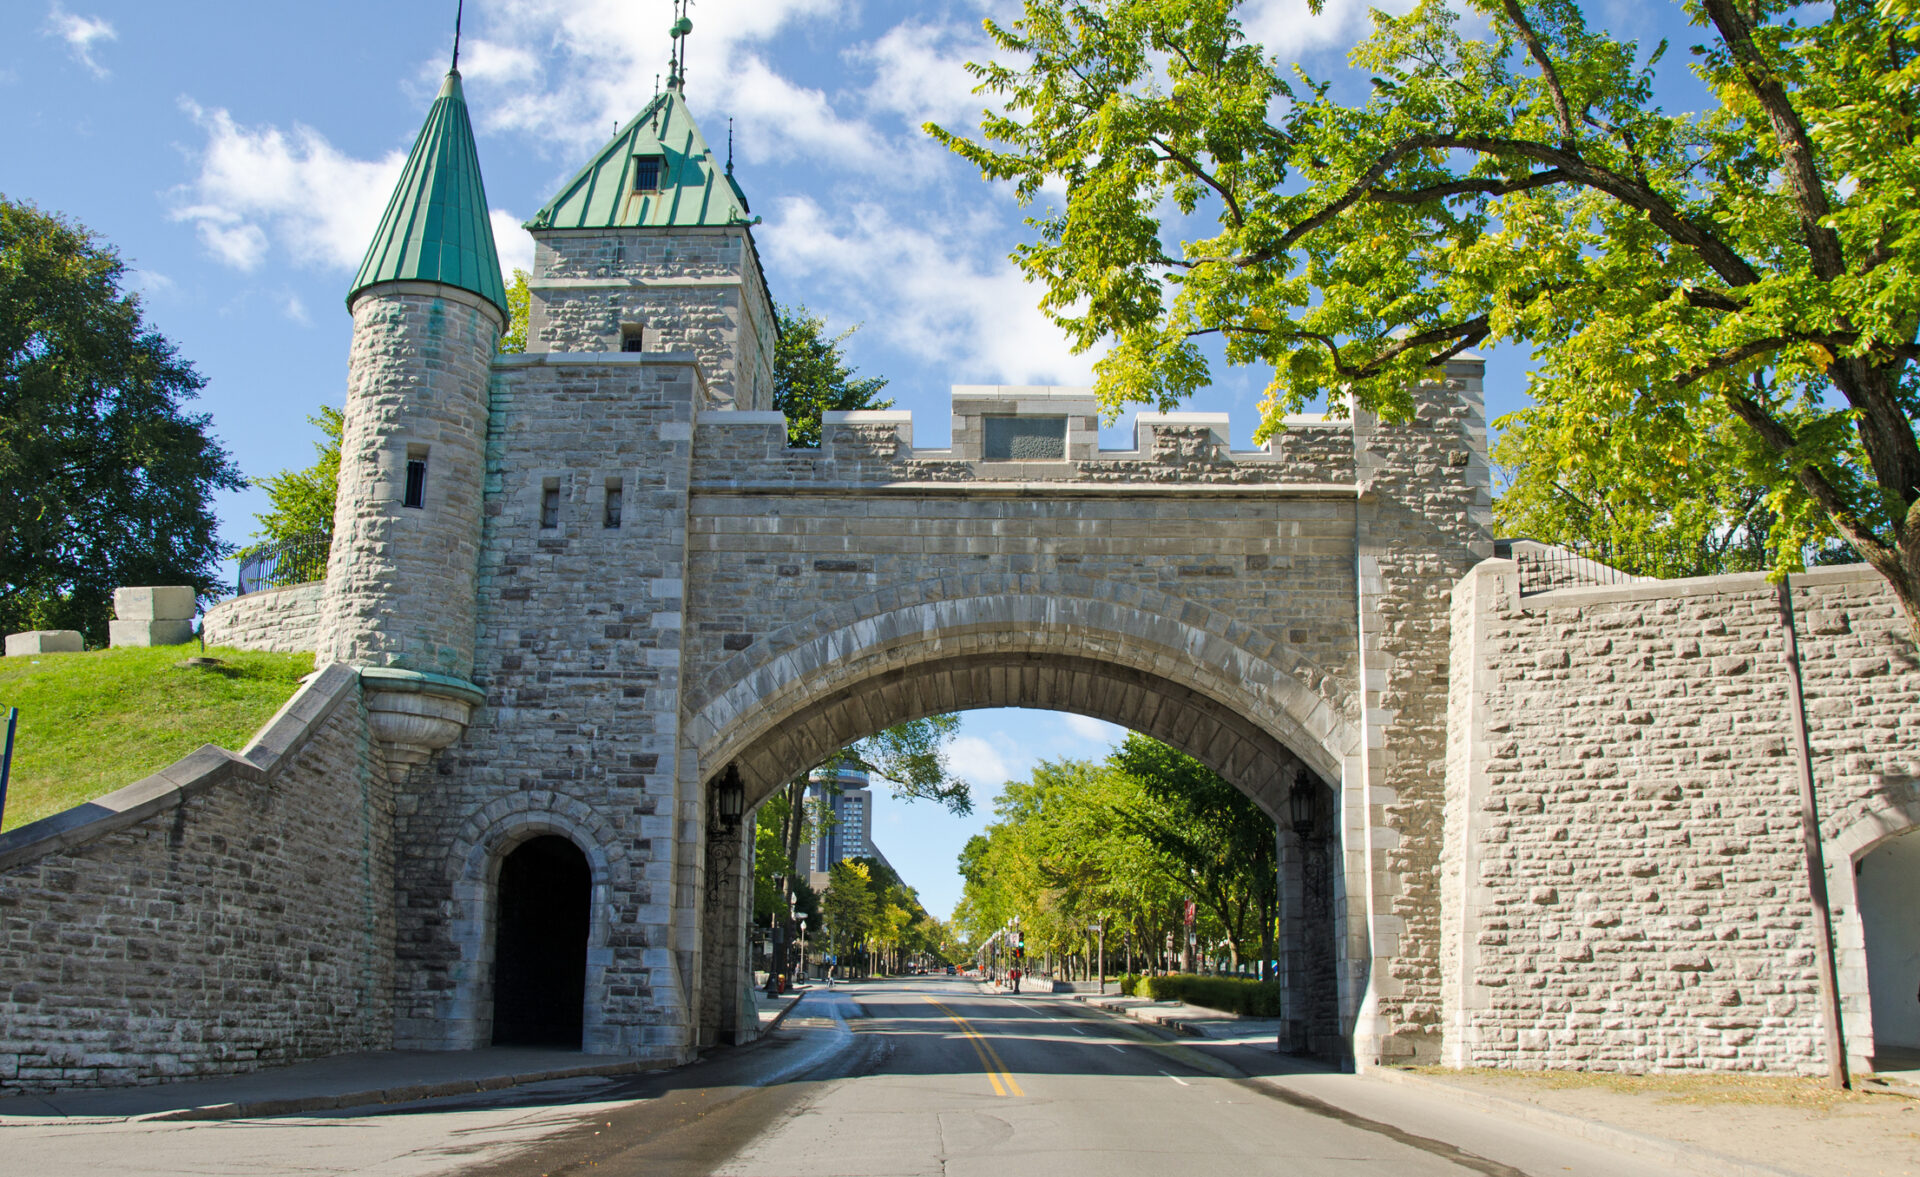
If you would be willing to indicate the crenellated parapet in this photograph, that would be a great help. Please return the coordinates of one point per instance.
(1017, 435)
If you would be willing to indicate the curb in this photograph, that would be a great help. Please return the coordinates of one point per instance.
(1175, 1024)
(409, 1094)
(770, 1027)
(1685, 1157)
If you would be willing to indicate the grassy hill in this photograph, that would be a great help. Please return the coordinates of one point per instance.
(91, 723)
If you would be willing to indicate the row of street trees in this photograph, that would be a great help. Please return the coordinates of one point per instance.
(1124, 843)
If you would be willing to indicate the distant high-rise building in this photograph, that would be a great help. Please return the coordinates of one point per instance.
(846, 796)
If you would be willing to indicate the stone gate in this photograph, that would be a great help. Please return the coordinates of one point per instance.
(571, 589)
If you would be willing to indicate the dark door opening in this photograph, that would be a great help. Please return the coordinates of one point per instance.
(540, 944)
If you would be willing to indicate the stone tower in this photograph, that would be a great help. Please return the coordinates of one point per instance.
(649, 248)
(428, 308)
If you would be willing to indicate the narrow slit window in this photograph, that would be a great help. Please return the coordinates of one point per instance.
(630, 339)
(616, 492)
(550, 504)
(648, 170)
(416, 483)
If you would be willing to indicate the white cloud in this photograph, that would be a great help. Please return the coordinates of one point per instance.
(260, 188)
(1093, 731)
(1287, 28)
(926, 288)
(514, 243)
(81, 33)
(978, 762)
(296, 310)
(920, 73)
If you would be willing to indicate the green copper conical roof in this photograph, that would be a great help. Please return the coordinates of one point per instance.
(436, 227)
(656, 173)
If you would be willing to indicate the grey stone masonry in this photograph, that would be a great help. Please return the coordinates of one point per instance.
(284, 619)
(153, 616)
(228, 913)
(44, 641)
(580, 627)
(400, 578)
(1625, 887)
(682, 290)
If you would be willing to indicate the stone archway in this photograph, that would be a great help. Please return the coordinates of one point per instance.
(461, 1017)
(543, 900)
(1874, 885)
(1160, 674)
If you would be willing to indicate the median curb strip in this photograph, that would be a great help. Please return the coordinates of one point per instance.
(409, 1094)
(799, 996)
(1175, 1024)
(1688, 1158)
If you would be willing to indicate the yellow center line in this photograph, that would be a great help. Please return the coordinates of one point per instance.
(997, 1072)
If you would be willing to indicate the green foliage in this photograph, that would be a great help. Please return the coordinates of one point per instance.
(1124, 844)
(811, 377)
(1737, 286)
(302, 500)
(1234, 995)
(849, 906)
(513, 340)
(92, 723)
(911, 758)
(104, 479)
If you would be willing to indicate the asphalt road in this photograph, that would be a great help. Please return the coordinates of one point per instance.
(890, 1078)
(933, 1077)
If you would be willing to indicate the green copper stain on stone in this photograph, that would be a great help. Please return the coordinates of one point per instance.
(436, 227)
(690, 188)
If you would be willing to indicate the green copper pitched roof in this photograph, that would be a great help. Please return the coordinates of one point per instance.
(694, 191)
(436, 227)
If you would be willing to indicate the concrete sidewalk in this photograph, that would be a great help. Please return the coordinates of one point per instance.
(1654, 1133)
(343, 1081)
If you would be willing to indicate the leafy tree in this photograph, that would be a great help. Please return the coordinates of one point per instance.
(513, 340)
(811, 377)
(849, 906)
(105, 480)
(302, 500)
(1735, 284)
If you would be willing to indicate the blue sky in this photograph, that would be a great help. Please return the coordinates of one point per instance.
(238, 154)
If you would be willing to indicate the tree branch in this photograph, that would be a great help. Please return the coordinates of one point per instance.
(1538, 52)
(1199, 173)
(1470, 187)
(1796, 147)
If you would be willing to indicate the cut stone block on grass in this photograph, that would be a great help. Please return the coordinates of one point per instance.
(170, 632)
(154, 603)
(44, 641)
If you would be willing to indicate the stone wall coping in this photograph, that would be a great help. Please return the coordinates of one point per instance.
(533, 359)
(856, 417)
(430, 290)
(1038, 489)
(205, 767)
(1691, 586)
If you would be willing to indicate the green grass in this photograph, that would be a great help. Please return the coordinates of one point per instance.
(92, 723)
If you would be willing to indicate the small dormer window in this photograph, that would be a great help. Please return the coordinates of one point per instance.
(631, 340)
(648, 171)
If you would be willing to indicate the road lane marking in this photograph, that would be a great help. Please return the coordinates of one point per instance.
(1176, 1078)
(997, 1073)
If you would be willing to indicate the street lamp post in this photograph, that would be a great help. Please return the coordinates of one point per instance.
(1099, 930)
(803, 944)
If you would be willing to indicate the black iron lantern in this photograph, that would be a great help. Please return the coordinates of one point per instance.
(730, 798)
(1301, 804)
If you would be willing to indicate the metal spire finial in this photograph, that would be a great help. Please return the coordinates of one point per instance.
(729, 145)
(682, 25)
(459, 11)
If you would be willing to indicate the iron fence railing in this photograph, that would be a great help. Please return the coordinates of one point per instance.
(290, 562)
(1543, 568)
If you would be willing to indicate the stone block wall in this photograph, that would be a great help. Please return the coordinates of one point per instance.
(1624, 876)
(228, 913)
(285, 619)
(579, 656)
(400, 579)
(698, 291)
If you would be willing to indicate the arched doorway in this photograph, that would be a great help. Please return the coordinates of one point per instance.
(1887, 883)
(544, 910)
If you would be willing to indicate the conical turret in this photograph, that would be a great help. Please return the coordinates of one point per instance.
(436, 227)
(428, 309)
